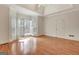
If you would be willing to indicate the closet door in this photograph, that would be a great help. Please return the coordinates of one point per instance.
(60, 27)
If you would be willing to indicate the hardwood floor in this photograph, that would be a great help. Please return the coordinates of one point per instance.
(45, 45)
(57, 46)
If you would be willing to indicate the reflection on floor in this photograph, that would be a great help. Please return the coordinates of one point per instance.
(24, 46)
(43, 45)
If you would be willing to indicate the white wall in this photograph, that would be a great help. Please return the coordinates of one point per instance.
(4, 18)
(63, 25)
(40, 25)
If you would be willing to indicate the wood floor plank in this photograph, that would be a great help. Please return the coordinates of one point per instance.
(45, 46)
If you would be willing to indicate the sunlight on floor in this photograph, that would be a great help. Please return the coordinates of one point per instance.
(25, 45)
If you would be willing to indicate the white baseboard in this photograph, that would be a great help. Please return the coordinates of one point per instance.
(65, 37)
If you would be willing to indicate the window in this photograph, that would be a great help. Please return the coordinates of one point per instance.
(22, 25)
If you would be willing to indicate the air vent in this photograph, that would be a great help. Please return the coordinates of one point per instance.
(71, 35)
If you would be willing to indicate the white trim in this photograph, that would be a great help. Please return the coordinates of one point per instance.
(23, 10)
(63, 11)
(65, 37)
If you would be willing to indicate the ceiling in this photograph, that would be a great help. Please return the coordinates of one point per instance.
(46, 9)
(53, 8)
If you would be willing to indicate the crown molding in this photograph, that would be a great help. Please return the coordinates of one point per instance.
(66, 10)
